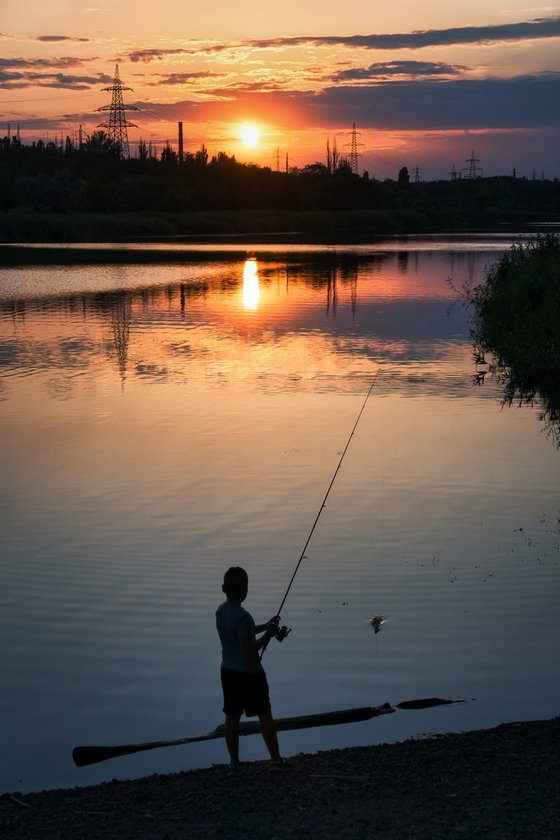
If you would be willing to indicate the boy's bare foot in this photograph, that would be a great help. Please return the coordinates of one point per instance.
(278, 765)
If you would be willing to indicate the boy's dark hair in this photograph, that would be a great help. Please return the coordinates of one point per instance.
(235, 580)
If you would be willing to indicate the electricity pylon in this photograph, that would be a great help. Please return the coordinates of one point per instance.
(354, 155)
(472, 169)
(118, 125)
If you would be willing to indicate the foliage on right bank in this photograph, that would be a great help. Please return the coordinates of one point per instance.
(517, 322)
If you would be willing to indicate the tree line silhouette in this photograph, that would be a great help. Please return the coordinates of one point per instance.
(51, 177)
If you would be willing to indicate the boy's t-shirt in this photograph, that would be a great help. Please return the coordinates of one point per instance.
(233, 622)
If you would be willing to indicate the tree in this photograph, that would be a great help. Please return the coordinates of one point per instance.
(404, 175)
(169, 155)
(99, 144)
(201, 157)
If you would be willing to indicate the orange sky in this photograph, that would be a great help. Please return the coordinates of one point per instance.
(425, 85)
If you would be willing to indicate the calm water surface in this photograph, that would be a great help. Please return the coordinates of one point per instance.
(160, 423)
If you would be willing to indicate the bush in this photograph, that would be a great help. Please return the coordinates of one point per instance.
(517, 320)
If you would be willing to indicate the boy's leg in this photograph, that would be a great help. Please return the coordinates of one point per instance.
(231, 733)
(268, 731)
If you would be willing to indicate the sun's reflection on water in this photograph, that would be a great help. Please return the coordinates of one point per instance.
(250, 284)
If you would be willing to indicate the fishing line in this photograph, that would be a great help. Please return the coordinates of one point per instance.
(322, 506)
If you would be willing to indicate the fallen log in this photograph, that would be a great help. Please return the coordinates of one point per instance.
(85, 755)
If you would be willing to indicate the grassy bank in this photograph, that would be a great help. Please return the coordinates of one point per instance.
(29, 226)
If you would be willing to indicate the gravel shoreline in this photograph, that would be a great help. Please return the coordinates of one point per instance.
(496, 783)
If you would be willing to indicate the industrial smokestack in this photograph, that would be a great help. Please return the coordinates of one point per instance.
(180, 142)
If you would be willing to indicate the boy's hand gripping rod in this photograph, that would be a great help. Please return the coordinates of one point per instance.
(283, 631)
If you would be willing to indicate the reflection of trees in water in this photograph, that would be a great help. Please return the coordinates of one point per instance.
(525, 385)
(16, 309)
(113, 308)
(470, 259)
(328, 271)
(402, 261)
(541, 388)
(118, 306)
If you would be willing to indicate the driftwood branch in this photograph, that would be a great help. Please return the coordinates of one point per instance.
(85, 755)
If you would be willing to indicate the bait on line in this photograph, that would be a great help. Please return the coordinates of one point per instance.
(377, 622)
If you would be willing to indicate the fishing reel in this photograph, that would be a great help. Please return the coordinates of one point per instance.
(279, 633)
(282, 632)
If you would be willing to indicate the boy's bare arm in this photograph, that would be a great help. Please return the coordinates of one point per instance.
(260, 628)
(249, 646)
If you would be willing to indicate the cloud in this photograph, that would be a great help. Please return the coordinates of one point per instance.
(48, 38)
(248, 87)
(432, 104)
(153, 54)
(12, 80)
(415, 105)
(148, 55)
(390, 69)
(182, 78)
(528, 30)
(64, 61)
(19, 73)
(467, 35)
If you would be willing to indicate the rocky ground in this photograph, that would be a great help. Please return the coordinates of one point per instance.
(497, 783)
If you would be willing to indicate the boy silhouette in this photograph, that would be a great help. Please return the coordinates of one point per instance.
(244, 683)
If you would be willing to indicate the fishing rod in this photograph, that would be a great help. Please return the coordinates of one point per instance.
(282, 632)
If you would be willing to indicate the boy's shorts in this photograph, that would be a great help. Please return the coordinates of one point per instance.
(244, 693)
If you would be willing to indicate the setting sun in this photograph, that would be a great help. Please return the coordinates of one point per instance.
(250, 135)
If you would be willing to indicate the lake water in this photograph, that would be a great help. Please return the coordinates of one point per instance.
(160, 423)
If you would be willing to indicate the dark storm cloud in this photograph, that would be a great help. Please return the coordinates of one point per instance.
(384, 70)
(529, 30)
